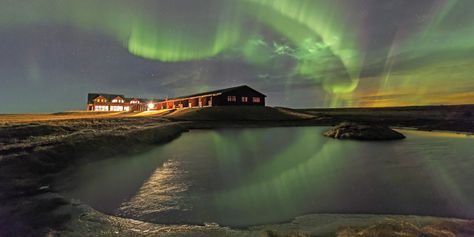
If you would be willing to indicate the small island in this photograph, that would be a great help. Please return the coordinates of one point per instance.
(365, 132)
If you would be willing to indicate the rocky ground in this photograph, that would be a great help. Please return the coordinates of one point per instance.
(363, 132)
(35, 149)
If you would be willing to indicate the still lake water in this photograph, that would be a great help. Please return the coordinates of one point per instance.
(241, 177)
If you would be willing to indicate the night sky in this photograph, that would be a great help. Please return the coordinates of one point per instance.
(304, 53)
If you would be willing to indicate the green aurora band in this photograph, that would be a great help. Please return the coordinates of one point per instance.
(323, 40)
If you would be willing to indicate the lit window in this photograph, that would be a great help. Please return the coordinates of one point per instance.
(245, 99)
(117, 101)
(256, 99)
(231, 98)
(101, 108)
(116, 108)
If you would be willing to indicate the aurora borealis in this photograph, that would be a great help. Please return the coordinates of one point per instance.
(301, 53)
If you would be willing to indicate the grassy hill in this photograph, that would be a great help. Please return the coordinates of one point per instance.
(237, 113)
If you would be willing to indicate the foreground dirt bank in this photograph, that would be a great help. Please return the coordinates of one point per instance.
(33, 153)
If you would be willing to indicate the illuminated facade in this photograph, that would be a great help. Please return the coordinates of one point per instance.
(112, 102)
(239, 95)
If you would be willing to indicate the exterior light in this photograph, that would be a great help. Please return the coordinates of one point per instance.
(151, 106)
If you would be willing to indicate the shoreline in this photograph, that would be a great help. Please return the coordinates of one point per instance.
(28, 164)
(440, 132)
(94, 223)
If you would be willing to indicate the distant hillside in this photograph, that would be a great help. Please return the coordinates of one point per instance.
(442, 117)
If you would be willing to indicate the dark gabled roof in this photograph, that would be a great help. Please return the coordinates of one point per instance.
(109, 97)
(220, 91)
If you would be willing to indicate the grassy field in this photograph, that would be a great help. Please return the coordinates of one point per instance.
(16, 118)
(188, 114)
(22, 118)
(452, 118)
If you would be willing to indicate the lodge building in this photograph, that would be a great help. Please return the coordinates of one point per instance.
(239, 95)
(111, 102)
